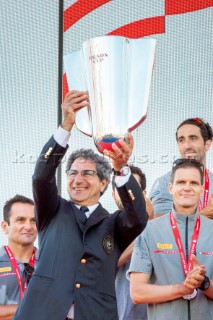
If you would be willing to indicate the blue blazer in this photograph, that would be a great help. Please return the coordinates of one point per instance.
(77, 262)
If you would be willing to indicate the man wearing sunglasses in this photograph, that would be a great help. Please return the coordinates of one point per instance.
(194, 138)
(17, 258)
(79, 241)
(172, 263)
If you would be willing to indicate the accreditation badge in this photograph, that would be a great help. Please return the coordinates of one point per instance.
(108, 243)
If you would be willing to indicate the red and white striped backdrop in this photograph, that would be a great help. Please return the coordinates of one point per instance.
(154, 23)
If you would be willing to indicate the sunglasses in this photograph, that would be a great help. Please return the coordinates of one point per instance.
(28, 271)
(208, 128)
(184, 161)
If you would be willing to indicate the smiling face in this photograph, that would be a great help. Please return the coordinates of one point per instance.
(21, 228)
(186, 189)
(84, 191)
(191, 143)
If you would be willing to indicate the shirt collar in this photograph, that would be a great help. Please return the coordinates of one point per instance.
(183, 216)
(90, 208)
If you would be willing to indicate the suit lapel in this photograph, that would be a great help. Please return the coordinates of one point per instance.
(96, 216)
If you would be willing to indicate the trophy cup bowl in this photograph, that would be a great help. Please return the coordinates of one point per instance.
(116, 71)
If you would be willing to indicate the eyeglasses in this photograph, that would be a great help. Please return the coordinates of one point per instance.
(86, 174)
(184, 161)
(28, 271)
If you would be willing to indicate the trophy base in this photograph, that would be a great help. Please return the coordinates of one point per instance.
(106, 143)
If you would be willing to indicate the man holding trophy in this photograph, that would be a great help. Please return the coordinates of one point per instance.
(79, 241)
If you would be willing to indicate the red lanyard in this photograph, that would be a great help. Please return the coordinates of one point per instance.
(187, 266)
(17, 270)
(206, 191)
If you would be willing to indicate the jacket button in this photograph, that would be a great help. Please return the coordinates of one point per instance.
(83, 261)
(78, 285)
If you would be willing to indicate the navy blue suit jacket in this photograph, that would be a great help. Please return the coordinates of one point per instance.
(64, 241)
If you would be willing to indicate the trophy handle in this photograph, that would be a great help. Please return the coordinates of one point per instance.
(76, 80)
(141, 61)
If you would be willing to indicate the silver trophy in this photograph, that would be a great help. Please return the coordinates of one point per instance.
(116, 72)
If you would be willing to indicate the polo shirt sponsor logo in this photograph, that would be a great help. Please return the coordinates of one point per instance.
(155, 193)
(164, 245)
(7, 274)
(5, 269)
(166, 251)
(209, 253)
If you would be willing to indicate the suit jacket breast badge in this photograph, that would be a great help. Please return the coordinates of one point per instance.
(108, 243)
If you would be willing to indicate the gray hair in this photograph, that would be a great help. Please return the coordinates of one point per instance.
(103, 167)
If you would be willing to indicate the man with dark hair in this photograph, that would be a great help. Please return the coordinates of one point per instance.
(194, 138)
(79, 241)
(126, 309)
(9, 203)
(17, 258)
(172, 263)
